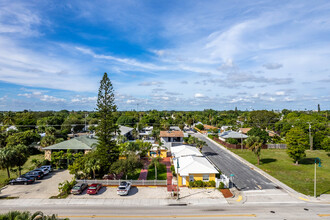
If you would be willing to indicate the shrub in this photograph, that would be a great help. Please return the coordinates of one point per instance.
(232, 141)
(200, 127)
(211, 183)
(222, 185)
(65, 187)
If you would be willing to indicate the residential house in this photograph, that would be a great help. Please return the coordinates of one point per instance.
(232, 134)
(193, 168)
(170, 138)
(158, 151)
(83, 144)
(124, 131)
(225, 128)
(185, 150)
(244, 130)
(146, 133)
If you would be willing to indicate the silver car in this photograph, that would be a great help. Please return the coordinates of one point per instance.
(123, 188)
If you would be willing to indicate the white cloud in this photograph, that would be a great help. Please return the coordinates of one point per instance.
(153, 83)
(272, 66)
(48, 98)
(199, 95)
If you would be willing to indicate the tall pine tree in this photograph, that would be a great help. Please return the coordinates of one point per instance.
(107, 150)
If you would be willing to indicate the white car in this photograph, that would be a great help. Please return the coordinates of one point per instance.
(49, 167)
(123, 188)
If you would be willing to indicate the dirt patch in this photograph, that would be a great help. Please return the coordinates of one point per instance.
(226, 193)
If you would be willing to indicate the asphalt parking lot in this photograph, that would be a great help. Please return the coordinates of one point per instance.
(134, 193)
(40, 189)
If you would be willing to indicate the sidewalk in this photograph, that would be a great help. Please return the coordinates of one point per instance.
(170, 186)
(288, 189)
(109, 202)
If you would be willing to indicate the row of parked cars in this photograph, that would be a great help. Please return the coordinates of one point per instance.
(32, 176)
(123, 188)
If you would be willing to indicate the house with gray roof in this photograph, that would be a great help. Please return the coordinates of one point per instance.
(83, 144)
(232, 134)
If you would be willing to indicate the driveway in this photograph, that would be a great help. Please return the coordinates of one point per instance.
(41, 189)
(244, 178)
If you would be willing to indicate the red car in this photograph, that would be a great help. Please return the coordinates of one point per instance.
(94, 188)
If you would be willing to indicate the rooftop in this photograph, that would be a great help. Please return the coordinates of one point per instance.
(78, 143)
(193, 165)
(171, 134)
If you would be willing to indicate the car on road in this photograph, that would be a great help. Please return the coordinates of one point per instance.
(49, 167)
(35, 174)
(44, 170)
(22, 180)
(94, 188)
(79, 188)
(123, 188)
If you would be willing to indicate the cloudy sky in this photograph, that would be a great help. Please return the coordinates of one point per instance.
(180, 55)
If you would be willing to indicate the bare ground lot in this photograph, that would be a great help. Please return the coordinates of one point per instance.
(41, 189)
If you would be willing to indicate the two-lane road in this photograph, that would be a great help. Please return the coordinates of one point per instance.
(244, 177)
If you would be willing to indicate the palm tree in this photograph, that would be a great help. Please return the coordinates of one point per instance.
(254, 143)
(200, 144)
(6, 159)
(9, 118)
(92, 165)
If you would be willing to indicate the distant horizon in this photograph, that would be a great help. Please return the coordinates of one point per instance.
(161, 55)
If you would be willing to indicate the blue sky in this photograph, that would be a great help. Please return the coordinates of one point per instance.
(174, 55)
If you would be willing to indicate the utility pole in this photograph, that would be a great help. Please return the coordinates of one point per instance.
(310, 137)
(241, 136)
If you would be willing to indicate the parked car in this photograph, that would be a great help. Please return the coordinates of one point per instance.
(35, 174)
(123, 188)
(49, 167)
(94, 188)
(44, 170)
(79, 188)
(22, 180)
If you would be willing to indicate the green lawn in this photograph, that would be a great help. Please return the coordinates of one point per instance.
(135, 175)
(301, 178)
(27, 167)
(161, 172)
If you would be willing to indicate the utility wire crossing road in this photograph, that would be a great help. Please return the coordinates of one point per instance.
(244, 177)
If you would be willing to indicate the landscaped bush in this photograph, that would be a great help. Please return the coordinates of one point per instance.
(222, 185)
(232, 141)
(200, 183)
(173, 170)
(200, 127)
(64, 189)
(211, 136)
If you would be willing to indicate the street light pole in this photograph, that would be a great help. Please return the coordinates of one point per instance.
(177, 175)
(315, 174)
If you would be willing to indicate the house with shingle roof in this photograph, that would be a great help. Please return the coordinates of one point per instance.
(83, 144)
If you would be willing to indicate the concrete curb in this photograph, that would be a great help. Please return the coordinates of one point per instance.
(111, 202)
(288, 189)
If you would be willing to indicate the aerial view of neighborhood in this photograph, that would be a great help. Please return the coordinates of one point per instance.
(164, 109)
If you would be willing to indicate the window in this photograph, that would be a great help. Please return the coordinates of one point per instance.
(191, 178)
(206, 177)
